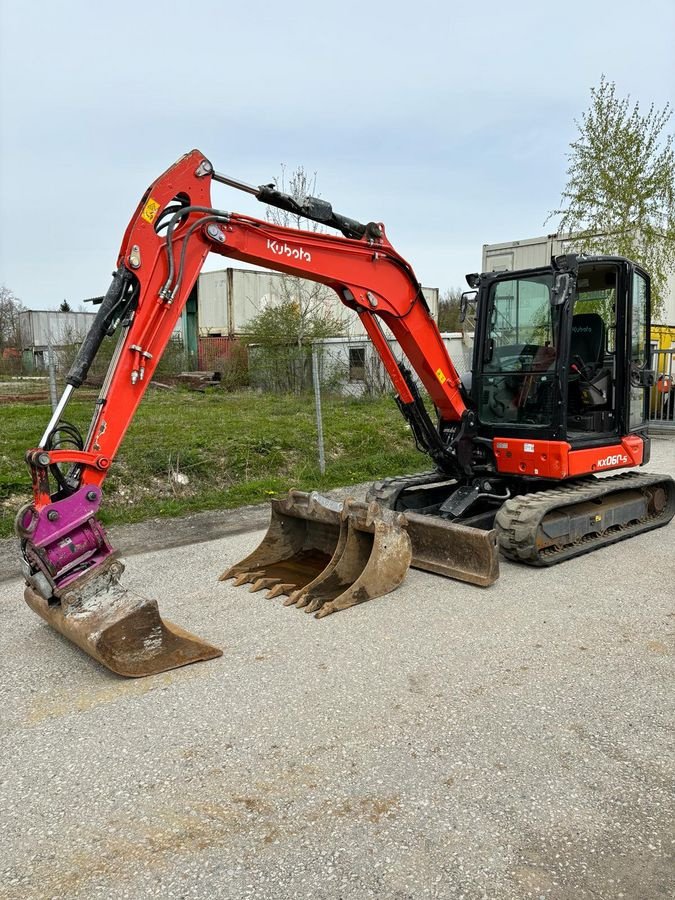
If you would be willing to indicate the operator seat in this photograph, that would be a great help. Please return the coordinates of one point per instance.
(587, 357)
(588, 341)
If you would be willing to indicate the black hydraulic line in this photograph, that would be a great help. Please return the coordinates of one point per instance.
(312, 208)
(186, 210)
(115, 302)
(64, 435)
(426, 436)
(186, 238)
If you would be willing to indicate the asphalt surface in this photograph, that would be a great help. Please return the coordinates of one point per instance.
(444, 741)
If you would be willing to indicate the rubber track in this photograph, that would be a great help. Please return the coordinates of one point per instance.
(518, 520)
(387, 491)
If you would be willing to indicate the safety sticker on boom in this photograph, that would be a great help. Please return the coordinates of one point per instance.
(441, 377)
(150, 210)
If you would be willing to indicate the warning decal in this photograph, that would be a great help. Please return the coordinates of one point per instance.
(150, 210)
(441, 377)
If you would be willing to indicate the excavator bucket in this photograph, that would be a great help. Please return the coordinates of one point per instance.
(325, 555)
(120, 629)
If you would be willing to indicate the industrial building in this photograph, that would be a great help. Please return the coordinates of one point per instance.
(42, 329)
(223, 303)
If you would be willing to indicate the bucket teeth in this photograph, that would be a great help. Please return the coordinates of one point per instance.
(123, 631)
(280, 589)
(247, 577)
(371, 565)
(262, 584)
(326, 556)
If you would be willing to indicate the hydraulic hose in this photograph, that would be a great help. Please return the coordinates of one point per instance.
(106, 315)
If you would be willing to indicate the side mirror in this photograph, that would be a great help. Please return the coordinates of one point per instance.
(467, 299)
(562, 288)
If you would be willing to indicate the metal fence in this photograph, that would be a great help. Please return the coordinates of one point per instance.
(662, 395)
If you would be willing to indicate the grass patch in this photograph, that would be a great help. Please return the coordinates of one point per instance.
(235, 449)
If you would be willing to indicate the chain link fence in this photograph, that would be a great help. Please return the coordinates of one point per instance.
(338, 372)
(662, 395)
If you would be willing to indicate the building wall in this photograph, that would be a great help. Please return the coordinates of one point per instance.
(338, 366)
(663, 337)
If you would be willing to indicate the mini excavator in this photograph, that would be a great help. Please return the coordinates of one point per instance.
(556, 398)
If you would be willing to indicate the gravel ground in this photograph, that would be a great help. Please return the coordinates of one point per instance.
(442, 742)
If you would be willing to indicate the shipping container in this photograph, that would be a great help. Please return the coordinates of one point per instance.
(227, 300)
(534, 252)
(41, 328)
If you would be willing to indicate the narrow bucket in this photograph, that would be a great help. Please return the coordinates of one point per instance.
(301, 540)
(121, 630)
(373, 562)
(370, 553)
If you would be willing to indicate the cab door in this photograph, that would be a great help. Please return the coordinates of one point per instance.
(640, 377)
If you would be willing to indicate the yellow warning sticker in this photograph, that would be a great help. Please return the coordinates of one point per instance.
(441, 377)
(150, 210)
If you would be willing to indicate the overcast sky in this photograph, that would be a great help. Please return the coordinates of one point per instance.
(447, 121)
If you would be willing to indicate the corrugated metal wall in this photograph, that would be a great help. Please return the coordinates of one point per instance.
(41, 327)
(229, 298)
(212, 351)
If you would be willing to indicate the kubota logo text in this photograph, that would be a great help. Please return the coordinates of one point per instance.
(612, 460)
(290, 252)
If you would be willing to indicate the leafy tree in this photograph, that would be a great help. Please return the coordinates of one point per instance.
(10, 307)
(620, 193)
(65, 306)
(287, 324)
(448, 310)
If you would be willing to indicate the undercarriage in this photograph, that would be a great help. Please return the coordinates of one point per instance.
(539, 523)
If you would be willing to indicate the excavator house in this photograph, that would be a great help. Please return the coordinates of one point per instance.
(557, 397)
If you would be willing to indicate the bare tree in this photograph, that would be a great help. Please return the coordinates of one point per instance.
(620, 193)
(309, 307)
(10, 307)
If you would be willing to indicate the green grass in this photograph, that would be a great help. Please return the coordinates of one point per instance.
(236, 449)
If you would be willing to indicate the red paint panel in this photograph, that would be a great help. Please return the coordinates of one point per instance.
(542, 459)
(614, 456)
(557, 460)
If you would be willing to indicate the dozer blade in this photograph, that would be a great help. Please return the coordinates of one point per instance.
(453, 550)
(326, 555)
(123, 631)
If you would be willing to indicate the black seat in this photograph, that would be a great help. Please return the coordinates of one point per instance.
(588, 341)
(590, 380)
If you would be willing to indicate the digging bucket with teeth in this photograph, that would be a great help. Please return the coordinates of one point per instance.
(326, 555)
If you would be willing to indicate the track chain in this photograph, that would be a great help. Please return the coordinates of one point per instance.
(518, 520)
(387, 491)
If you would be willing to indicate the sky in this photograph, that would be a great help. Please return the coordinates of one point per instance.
(447, 121)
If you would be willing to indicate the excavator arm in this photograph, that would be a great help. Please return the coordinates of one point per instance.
(166, 242)
(165, 245)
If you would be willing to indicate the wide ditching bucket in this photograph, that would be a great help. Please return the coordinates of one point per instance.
(120, 629)
(326, 555)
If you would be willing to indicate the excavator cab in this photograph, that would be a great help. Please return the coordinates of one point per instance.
(561, 352)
